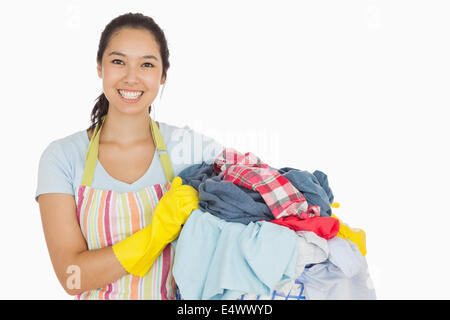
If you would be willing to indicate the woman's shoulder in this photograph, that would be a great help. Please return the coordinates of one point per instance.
(76, 139)
(165, 127)
(190, 143)
(174, 133)
(59, 163)
(68, 147)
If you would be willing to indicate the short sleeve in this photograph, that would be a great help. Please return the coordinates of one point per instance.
(54, 173)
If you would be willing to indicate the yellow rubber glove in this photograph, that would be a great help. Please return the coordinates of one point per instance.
(138, 252)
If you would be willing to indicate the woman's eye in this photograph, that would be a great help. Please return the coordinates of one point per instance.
(146, 64)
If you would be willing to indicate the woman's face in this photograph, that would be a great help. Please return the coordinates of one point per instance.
(131, 71)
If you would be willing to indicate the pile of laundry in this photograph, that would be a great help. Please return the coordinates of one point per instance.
(266, 233)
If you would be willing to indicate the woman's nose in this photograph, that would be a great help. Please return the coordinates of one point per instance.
(131, 75)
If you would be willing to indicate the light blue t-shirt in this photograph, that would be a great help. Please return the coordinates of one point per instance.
(62, 163)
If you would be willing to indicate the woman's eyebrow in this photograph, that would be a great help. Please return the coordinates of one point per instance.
(117, 53)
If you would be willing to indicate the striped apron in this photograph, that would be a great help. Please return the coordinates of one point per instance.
(106, 217)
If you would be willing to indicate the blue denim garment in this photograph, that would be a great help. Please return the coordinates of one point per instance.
(313, 186)
(196, 174)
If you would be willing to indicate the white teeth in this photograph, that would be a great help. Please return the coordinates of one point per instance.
(130, 95)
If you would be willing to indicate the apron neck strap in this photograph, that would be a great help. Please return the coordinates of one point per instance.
(163, 154)
(92, 153)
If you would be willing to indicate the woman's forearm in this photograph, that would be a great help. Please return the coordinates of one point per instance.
(93, 269)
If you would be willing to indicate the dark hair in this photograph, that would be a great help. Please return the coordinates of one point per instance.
(128, 20)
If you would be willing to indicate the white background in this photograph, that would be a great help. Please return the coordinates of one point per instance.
(358, 89)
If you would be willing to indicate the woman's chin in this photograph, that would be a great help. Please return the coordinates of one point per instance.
(128, 109)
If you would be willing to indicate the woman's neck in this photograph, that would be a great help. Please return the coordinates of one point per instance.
(125, 129)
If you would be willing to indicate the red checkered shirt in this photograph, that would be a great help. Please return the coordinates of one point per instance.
(248, 171)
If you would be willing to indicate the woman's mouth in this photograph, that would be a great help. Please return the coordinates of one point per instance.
(130, 96)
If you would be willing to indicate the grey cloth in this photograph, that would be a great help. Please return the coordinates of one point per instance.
(313, 186)
(232, 203)
(224, 199)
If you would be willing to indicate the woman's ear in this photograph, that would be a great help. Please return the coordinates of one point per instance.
(99, 71)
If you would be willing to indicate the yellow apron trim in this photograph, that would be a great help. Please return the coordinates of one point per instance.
(92, 153)
(162, 151)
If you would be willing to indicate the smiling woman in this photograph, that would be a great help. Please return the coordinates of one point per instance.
(109, 196)
(131, 74)
(132, 49)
